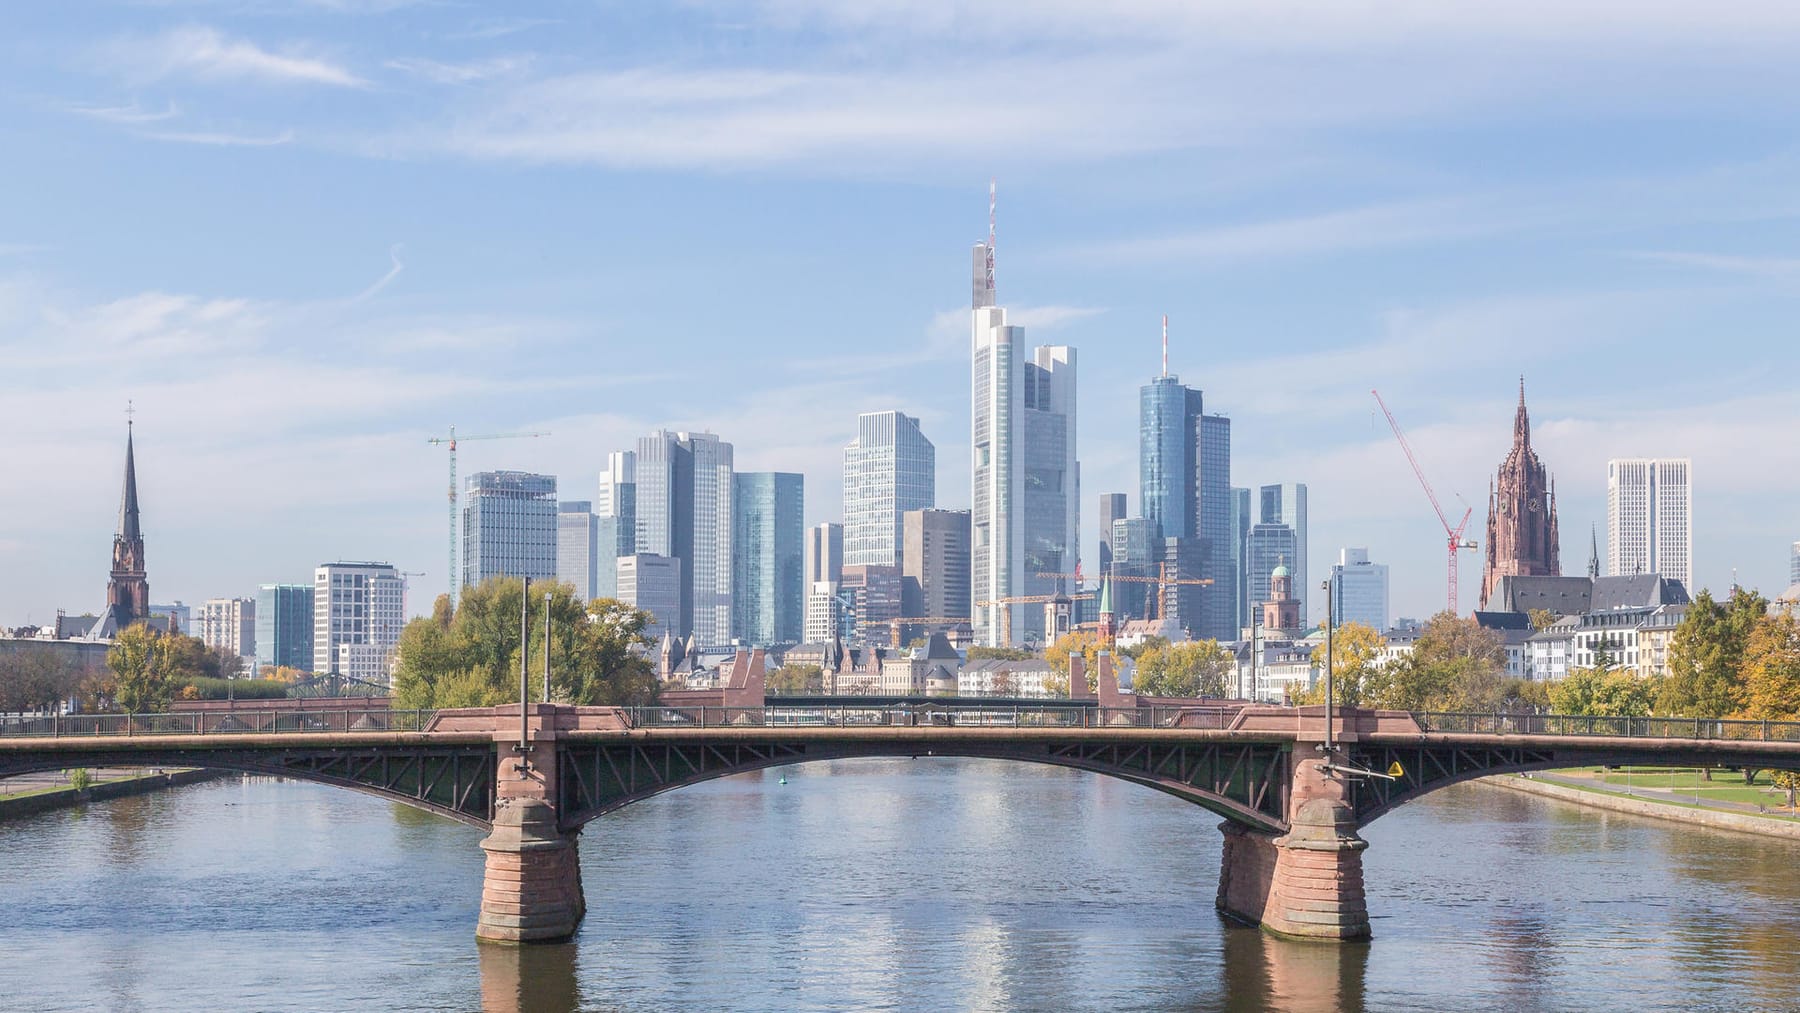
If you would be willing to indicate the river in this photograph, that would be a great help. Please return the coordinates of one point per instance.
(880, 884)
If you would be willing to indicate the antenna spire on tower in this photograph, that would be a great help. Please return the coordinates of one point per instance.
(1165, 371)
(992, 201)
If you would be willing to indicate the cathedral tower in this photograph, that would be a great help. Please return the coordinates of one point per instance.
(1521, 526)
(128, 592)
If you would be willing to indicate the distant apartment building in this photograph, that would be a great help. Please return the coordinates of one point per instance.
(284, 626)
(615, 511)
(889, 468)
(1359, 590)
(684, 512)
(651, 583)
(358, 612)
(768, 557)
(578, 547)
(935, 563)
(1649, 518)
(229, 625)
(178, 616)
(508, 526)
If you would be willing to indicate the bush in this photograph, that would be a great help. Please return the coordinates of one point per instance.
(242, 689)
(80, 778)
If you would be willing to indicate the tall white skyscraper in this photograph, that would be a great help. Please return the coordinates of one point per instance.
(1027, 483)
(684, 511)
(1649, 518)
(889, 469)
(1359, 590)
(358, 610)
(615, 511)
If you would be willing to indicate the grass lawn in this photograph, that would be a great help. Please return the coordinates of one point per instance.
(1725, 786)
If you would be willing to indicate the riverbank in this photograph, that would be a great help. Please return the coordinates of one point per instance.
(43, 800)
(1563, 789)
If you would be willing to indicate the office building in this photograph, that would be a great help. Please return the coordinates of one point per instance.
(229, 625)
(1794, 565)
(1271, 546)
(1026, 481)
(768, 557)
(1286, 504)
(935, 563)
(1242, 519)
(1649, 518)
(1360, 590)
(284, 626)
(889, 469)
(824, 564)
(1136, 552)
(358, 612)
(578, 547)
(1112, 508)
(651, 583)
(684, 512)
(616, 526)
(508, 526)
(872, 596)
(1217, 615)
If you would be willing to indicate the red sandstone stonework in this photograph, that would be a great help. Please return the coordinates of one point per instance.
(531, 892)
(1309, 882)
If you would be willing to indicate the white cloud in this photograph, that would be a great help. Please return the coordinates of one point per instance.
(217, 139)
(131, 114)
(461, 73)
(1756, 267)
(205, 53)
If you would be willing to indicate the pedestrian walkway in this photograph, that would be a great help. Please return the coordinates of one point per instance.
(1668, 795)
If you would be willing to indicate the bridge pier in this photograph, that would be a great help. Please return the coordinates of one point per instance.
(531, 891)
(1307, 883)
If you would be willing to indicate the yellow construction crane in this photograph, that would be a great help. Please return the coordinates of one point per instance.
(1028, 599)
(453, 440)
(1165, 585)
(895, 624)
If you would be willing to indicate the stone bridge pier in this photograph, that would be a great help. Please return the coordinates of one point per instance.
(1307, 883)
(531, 892)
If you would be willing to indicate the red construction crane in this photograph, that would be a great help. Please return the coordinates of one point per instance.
(1454, 535)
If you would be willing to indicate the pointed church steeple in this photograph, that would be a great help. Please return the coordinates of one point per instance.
(129, 530)
(1593, 553)
(1521, 420)
(128, 590)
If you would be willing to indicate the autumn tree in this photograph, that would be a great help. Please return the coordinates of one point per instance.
(1454, 665)
(1771, 669)
(1199, 668)
(1356, 660)
(140, 680)
(1598, 692)
(1705, 656)
(34, 676)
(794, 679)
(1083, 642)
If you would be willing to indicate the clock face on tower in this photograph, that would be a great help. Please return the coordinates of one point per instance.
(1533, 505)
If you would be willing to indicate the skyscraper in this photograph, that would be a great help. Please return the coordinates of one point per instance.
(1794, 564)
(1168, 430)
(577, 547)
(1242, 519)
(1522, 539)
(1184, 480)
(1286, 504)
(1359, 590)
(684, 511)
(358, 610)
(935, 571)
(616, 530)
(824, 563)
(768, 557)
(1026, 480)
(651, 583)
(229, 625)
(1217, 616)
(508, 526)
(284, 626)
(1136, 552)
(1270, 546)
(1649, 518)
(889, 469)
(1112, 508)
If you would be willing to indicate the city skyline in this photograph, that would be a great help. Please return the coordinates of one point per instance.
(310, 355)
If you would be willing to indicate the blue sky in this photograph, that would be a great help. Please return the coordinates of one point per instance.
(304, 237)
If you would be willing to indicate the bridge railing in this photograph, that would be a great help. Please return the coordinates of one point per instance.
(946, 715)
(245, 721)
(1732, 729)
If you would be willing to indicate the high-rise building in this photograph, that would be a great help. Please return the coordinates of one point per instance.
(1136, 552)
(1522, 539)
(684, 511)
(889, 469)
(1359, 590)
(577, 547)
(1168, 433)
(284, 626)
(1112, 508)
(1217, 615)
(229, 624)
(1270, 546)
(508, 526)
(768, 557)
(1649, 517)
(358, 611)
(935, 567)
(1286, 504)
(1242, 519)
(616, 530)
(873, 595)
(651, 583)
(1794, 564)
(1026, 480)
(824, 564)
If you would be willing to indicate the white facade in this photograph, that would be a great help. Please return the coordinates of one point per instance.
(1025, 517)
(651, 583)
(889, 469)
(1360, 590)
(229, 624)
(1649, 519)
(360, 605)
(577, 548)
(823, 616)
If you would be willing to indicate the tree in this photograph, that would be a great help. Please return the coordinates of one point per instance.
(140, 681)
(469, 656)
(1542, 619)
(1771, 669)
(1143, 646)
(792, 679)
(37, 675)
(1196, 669)
(999, 654)
(1600, 693)
(1705, 656)
(1082, 642)
(1454, 665)
(1787, 780)
(1356, 655)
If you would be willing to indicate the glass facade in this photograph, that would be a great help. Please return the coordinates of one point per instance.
(768, 555)
(890, 468)
(1168, 421)
(577, 547)
(1241, 521)
(509, 526)
(1271, 545)
(684, 512)
(284, 626)
(1286, 504)
(1359, 590)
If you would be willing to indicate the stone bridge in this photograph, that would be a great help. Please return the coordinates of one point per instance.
(1292, 856)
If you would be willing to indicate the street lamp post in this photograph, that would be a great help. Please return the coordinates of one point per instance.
(546, 647)
(1330, 622)
(524, 683)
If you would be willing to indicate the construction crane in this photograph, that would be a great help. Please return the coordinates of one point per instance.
(895, 624)
(453, 440)
(1027, 599)
(1453, 535)
(1165, 584)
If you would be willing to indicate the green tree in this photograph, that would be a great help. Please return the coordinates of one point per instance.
(1599, 693)
(1139, 649)
(1705, 656)
(1083, 642)
(140, 682)
(999, 654)
(793, 679)
(1771, 669)
(1542, 619)
(1356, 650)
(1454, 665)
(469, 656)
(37, 675)
(1199, 668)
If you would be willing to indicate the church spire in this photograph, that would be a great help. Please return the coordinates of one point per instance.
(1593, 552)
(1521, 420)
(128, 590)
(128, 503)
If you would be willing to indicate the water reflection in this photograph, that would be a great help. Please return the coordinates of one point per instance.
(1262, 972)
(528, 979)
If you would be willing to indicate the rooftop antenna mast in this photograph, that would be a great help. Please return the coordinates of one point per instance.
(1165, 372)
(990, 244)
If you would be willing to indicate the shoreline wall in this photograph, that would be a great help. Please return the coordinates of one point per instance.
(65, 797)
(1655, 810)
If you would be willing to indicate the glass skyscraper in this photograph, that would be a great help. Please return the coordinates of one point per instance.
(508, 526)
(615, 533)
(1271, 545)
(284, 626)
(889, 469)
(1359, 590)
(1286, 504)
(684, 512)
(1168, 423)
(577, 547)
(1184, 484)
(768, 557)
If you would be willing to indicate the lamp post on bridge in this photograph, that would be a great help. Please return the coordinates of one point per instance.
(524, 682)
(1330, 622)
(546, 647)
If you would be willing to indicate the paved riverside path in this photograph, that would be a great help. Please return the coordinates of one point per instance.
(60, 778)
(1669, 795)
